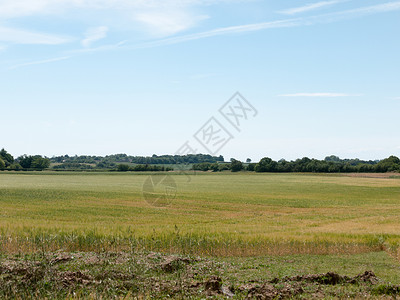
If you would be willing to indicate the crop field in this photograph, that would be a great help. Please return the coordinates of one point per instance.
(319, 222)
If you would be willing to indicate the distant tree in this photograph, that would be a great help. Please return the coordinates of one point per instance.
(6, 157)
(333, 158)
(36, 162)
(236, 165)
(2, 164)
(248, 160)
(40, 163)
(25, 161)
(223, 167)
(214, 167)
(250, 167)
(389, 164)
(266, 165)
(122, 168)
(15, 166)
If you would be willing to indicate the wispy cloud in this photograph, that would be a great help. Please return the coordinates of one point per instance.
(70, 54)
(18, 36)
(93, 35)
(286, 23)
(222, 31)
(309, 7)
(20, 8)
(167, 22)
(40, 62)
(159, 17)
(107, 47)
(366, 10)
(320, 95)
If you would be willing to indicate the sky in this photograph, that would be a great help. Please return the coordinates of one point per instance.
(145, 77)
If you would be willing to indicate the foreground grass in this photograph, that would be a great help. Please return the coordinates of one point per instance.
(142, 275)
(213, 214)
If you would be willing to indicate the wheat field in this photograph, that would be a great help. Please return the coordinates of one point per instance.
(219, 214)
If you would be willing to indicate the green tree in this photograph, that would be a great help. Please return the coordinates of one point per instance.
(236, 165)
(36, 162)
(15, 166)
(6, 157)
(25, 161)
(266, 165)
(250, 167)
(122, 168)
(2, 164)
(40, 163)
(214, 167)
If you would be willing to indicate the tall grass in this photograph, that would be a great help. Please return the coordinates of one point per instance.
(43, 240)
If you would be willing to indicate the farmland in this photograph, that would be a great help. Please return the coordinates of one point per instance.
(320, 222)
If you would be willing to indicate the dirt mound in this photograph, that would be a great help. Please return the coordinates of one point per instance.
(268, 291)
(213, 285)
(174, 263)
(367, 276)
(288, 287)
(69, 278)
(387, 289)
(61, 258)
(330, 278)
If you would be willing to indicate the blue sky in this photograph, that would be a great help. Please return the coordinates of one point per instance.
(141, 77)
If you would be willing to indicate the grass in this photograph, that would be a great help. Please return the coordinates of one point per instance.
(245, 228)
(142, 275)
(221, 214)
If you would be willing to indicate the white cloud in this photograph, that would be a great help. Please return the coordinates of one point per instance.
(94, 34)
(19, 36)
(40, 62)
(308, 7)
(329, 95)
(294, 22)
(107, 47)
(159, 16)
(18, 8)
(222, 31)
(164, 23)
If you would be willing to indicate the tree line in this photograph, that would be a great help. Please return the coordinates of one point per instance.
(200, 162)
(24, 162)
(111, 161)
(331, 164)
(116, 162)
(142, 168)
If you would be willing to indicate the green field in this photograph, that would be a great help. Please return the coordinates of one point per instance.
(238, 214)
(226, 216)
